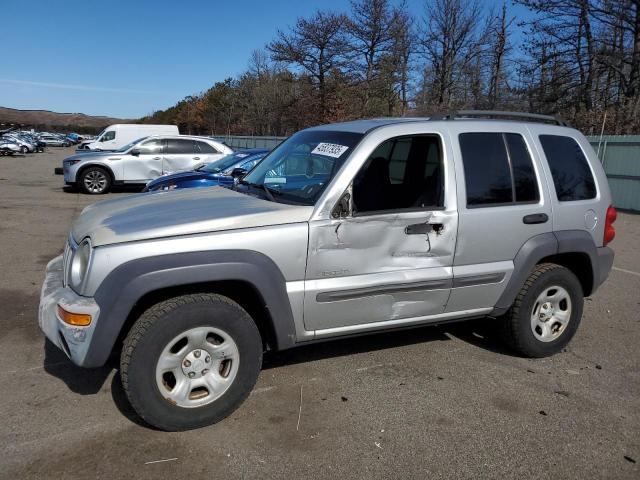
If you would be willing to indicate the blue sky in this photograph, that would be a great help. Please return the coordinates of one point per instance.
(128, 58)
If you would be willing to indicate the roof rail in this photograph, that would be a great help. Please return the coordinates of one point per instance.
(499, 115)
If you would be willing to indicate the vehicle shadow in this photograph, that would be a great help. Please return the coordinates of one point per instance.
(85, 381)
(480, 333)
(114, 189)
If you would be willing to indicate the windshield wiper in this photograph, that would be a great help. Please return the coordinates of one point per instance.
(261, 186)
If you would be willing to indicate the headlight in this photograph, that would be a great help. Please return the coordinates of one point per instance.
(80, 262)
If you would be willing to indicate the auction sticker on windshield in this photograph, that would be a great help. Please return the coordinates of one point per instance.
(330, 149)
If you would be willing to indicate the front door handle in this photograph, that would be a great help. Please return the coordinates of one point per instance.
(196, 158)
(422, 228)
(156, 158)
(535, 218)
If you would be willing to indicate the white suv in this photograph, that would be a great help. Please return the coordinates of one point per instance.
(140, 161)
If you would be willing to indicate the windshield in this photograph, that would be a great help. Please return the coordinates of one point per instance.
(129, 145)
(300, 168)
(227, 161)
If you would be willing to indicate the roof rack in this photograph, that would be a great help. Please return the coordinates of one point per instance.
(499, 115)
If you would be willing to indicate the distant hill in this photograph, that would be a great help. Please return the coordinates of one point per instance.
(47, 120)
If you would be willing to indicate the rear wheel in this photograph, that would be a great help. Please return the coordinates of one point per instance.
(95, 181)
(24, 150)
(190, 361)
(546, 313)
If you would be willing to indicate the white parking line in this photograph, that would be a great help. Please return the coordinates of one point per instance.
(161, 461)
(39, 367)
(630, 272)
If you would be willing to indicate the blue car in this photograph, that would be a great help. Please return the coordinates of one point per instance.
(209, 174)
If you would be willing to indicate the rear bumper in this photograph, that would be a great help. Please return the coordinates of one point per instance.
(72, 340)
(603, 268)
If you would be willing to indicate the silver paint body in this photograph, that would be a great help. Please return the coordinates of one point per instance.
(320, 255)
(140, 169)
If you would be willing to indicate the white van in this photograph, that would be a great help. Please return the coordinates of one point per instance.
(119, 135)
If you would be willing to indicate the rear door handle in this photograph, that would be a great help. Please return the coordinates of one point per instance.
(196, 158)
(156, 158)
(535, 218)
(422, 228)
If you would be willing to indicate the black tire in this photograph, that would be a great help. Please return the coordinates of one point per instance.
(24, 150)
(156, 328)
(517, 324)
(102, 187)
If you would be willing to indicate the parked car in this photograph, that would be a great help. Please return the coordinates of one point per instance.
(74, 138)
(51, 140)
(40, 145)
(25, 145)
(402, 222)
(9, 146)
(139, 162)
(210, 174)
(117, 136)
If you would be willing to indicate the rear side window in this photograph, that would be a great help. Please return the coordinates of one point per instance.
(179, 145)
(203, 147)
(569, 168)
(498, 169)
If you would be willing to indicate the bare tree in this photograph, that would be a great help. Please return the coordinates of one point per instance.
(317, 45)
(402, 50)
(370, 27)
(579, 59)
(499, 48)
(449, 44)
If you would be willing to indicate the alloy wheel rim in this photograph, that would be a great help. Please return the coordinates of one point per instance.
(95, 181)
(551, 313)
(197, 367)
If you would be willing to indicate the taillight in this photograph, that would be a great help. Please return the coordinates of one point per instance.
(609, 231)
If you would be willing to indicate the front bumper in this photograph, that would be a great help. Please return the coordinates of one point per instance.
(69, 175)
(72, 340)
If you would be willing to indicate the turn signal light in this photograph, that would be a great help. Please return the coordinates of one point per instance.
(609, 231)
(76, 319)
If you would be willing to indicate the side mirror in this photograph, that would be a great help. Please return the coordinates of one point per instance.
(238, 172)
(135, 152)
(342, 208)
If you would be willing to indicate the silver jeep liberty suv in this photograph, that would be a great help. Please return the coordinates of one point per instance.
(342, 229)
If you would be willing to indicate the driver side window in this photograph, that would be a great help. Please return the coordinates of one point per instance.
(108, 136)
(403, 173)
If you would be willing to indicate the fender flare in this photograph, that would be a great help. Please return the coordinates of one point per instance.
(128, 283)
(545, 245)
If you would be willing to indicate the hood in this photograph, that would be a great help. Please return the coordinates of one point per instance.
(92, 154)
(180, 212)
(189, 175)
(183, 175)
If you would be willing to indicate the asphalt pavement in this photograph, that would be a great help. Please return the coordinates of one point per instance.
(435, 402)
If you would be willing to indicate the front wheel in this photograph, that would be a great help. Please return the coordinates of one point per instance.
(190, 361)
(95, 181)
(546, 313)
